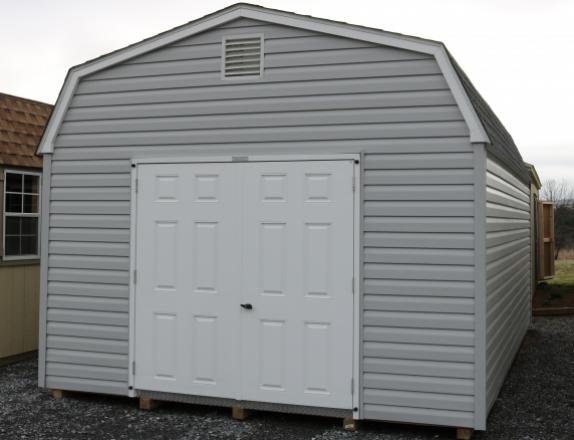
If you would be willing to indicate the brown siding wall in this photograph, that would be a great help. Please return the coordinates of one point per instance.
(19, 293)
(19, 296)
(1, 213)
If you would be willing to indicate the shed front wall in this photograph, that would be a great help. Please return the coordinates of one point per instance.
(508, 276)
(318, 94)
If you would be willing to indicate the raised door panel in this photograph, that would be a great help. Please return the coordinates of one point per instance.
(164, 346)
(165, 255)
(204, 344)
(316, 363)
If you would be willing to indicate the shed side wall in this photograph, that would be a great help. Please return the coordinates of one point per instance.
(319, 94)
(507, 272)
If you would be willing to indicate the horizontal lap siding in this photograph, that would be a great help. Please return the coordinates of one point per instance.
(418, 321)
(507, 272)
(88, 293)
(318, 94)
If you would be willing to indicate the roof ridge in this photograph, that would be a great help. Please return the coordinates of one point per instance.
(240, 5)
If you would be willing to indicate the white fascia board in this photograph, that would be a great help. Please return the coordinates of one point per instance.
(477, 132)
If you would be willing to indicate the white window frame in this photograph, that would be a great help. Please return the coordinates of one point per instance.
(34, 215)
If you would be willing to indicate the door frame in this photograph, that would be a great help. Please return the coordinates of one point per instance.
(357, 246)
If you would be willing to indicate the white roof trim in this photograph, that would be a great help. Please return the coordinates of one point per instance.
(477, 132)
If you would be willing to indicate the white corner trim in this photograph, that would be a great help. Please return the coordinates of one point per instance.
(480, 409)
(477, 132)
(43, 243)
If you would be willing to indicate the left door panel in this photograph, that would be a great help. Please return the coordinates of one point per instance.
(188, 279)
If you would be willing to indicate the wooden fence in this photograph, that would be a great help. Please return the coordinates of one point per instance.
(545, 244)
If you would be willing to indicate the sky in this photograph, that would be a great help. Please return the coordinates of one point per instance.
(518, 53)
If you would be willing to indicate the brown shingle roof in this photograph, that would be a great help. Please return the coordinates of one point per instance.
(22, 123)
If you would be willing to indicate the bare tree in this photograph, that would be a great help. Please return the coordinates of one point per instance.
(561, 192)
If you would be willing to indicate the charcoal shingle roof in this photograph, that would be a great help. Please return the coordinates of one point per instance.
(502, 146)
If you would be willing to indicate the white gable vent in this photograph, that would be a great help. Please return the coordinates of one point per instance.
(243, 56)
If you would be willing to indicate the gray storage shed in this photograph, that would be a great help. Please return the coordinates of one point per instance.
(277, 211)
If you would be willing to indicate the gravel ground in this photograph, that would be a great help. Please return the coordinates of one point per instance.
(536, 402)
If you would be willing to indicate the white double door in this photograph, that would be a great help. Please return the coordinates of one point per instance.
(244, 281)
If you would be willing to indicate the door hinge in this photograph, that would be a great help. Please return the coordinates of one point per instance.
(353, 179)
(353, 285)
(352, 386)
(133, 367)
(137, 184)
(135, 276)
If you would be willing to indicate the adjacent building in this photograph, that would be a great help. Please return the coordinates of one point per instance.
(22, 122)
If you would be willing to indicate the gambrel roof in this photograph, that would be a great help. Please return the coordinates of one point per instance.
(501, 145)
(483, 124)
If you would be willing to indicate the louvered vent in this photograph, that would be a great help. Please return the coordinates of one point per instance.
(242, 57)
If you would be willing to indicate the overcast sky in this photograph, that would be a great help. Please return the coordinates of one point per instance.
(518, 53)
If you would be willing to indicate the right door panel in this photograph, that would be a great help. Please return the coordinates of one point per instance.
(297, 341)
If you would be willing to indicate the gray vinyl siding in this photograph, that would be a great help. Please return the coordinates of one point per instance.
(507, 272)
(318, 94)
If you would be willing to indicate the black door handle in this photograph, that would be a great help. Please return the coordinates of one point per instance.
(247, 306)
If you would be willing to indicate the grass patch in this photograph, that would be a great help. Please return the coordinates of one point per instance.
(564, 277)
(559, 291)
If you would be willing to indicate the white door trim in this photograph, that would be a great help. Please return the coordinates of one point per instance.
(132, 287)
(244, 158)
(357, 270)
(357, 292)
